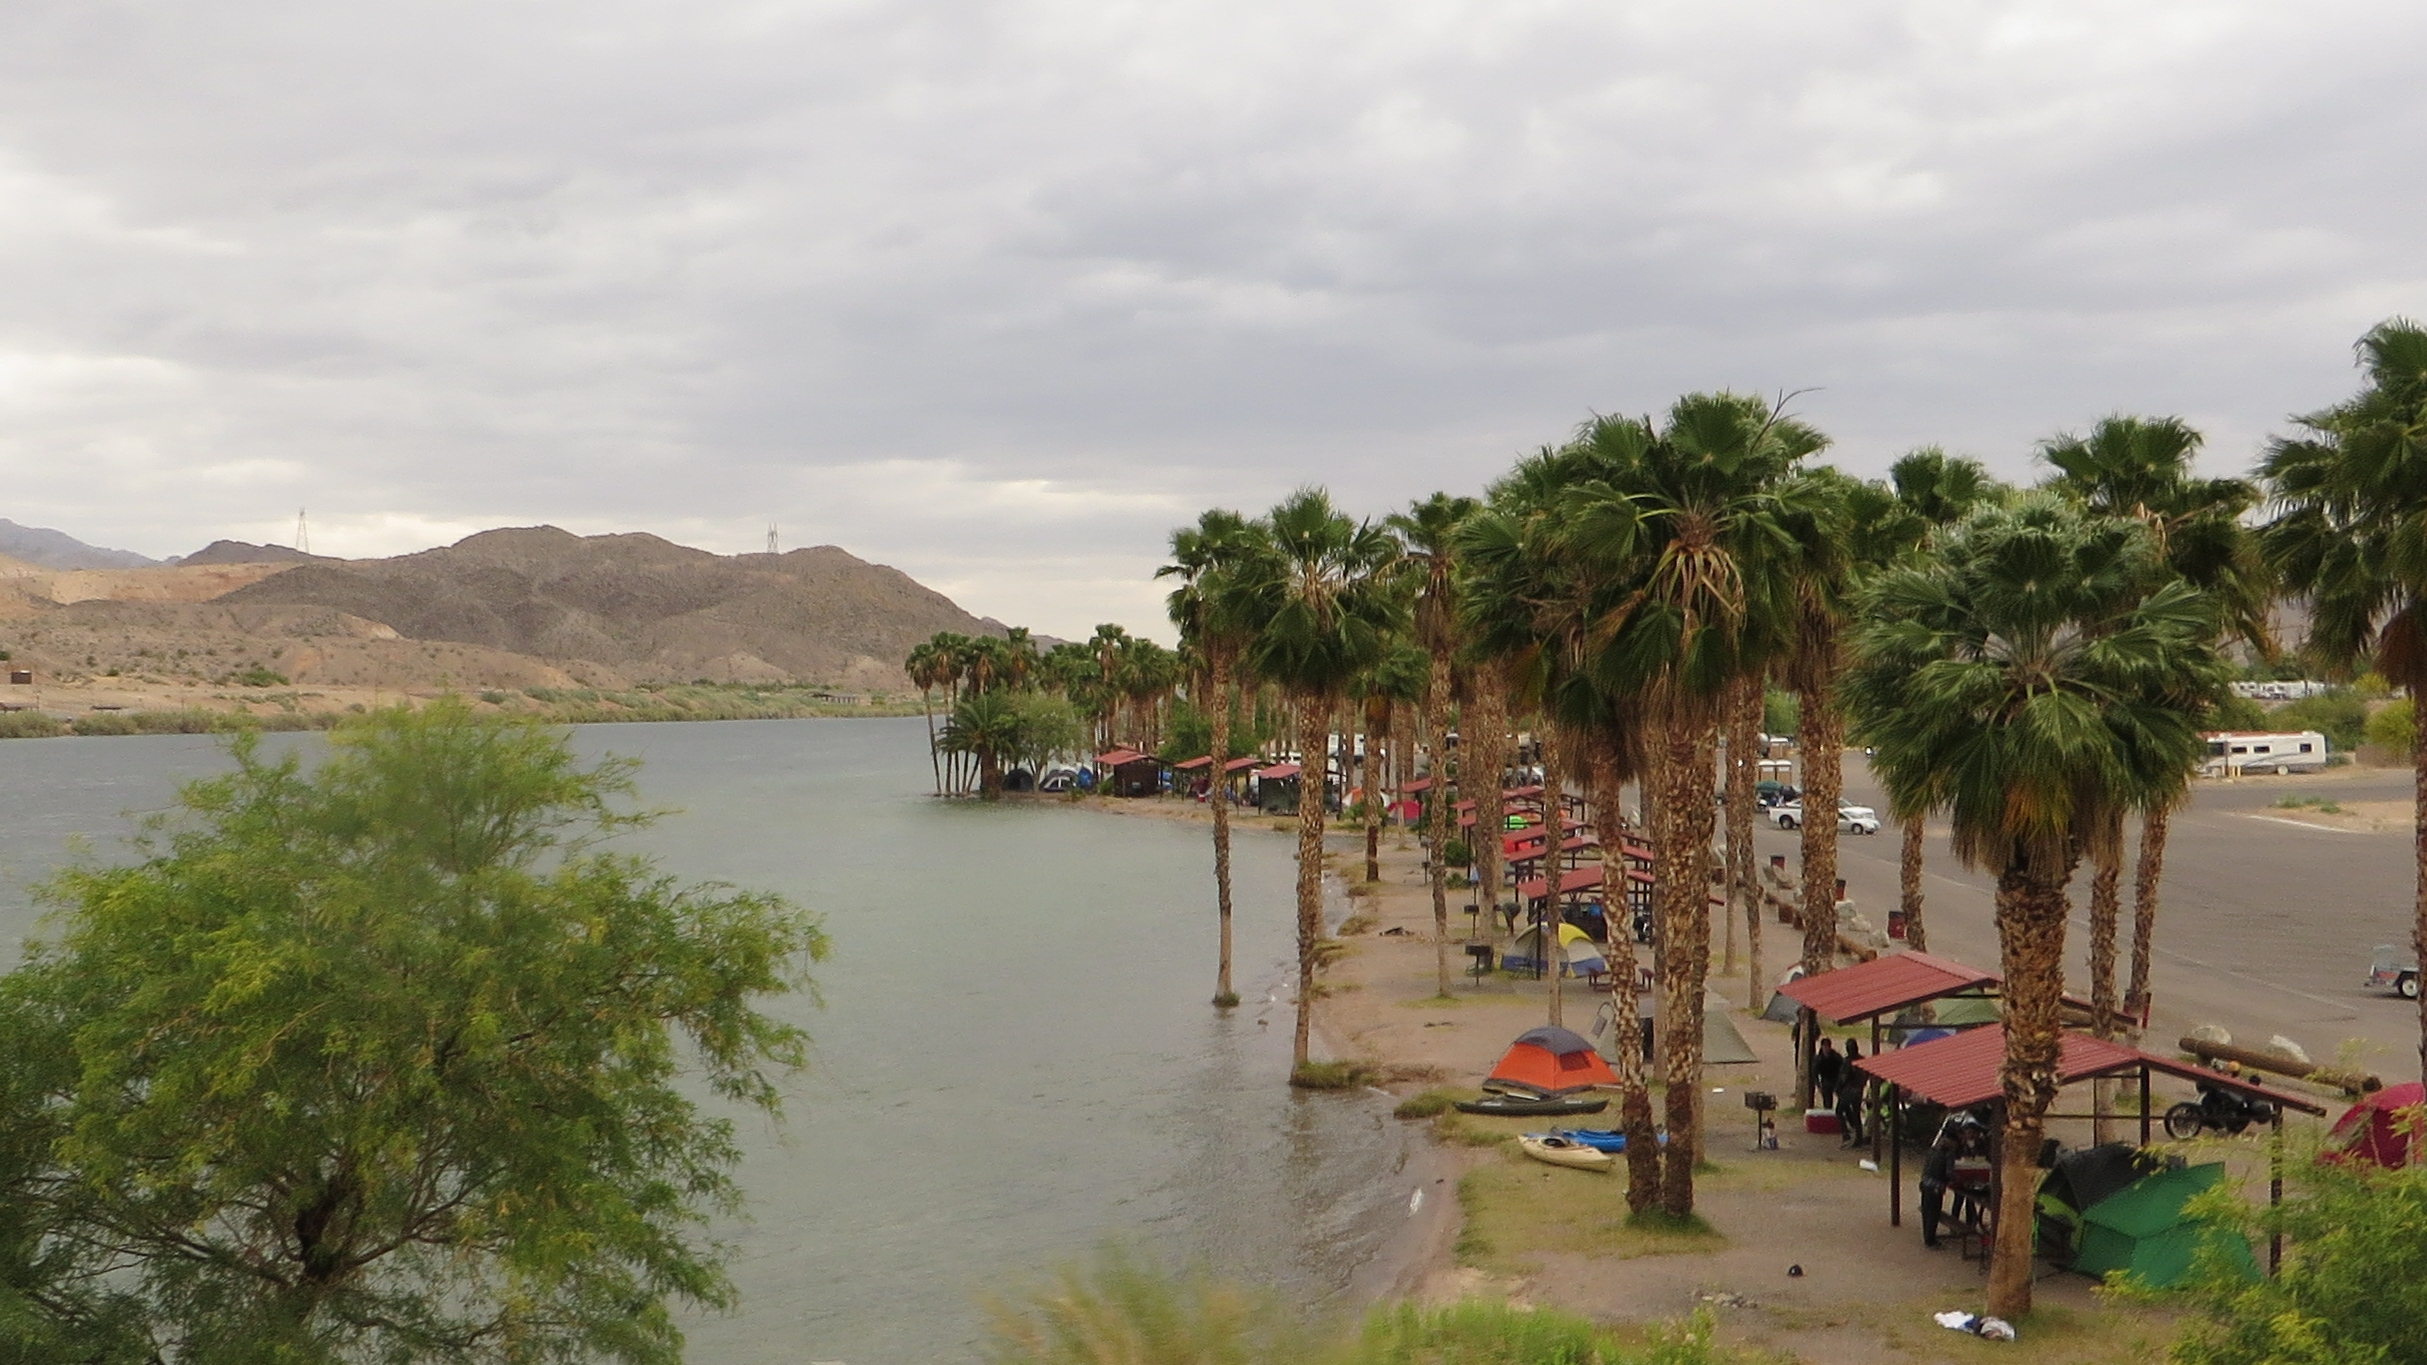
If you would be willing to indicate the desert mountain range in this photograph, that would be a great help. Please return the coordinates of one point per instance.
(518, 607)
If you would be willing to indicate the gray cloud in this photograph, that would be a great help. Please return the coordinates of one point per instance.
(999, 292)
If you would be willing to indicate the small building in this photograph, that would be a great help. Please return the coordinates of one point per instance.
(1127, 772)
(21, 677)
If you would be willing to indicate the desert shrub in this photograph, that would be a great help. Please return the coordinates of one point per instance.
(1122, 1312)
(2340, 715)
(30, 725)
(1424, 1105)
(258, 676)
(2353, 1234)
(2395, 729)
(104, 723)
(1330, 1075)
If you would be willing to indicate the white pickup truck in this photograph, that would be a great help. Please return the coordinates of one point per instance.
(1850, 819)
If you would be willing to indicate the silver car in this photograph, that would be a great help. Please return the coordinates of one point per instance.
(1850, 819)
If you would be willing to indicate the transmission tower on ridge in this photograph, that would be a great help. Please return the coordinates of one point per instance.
(303, 536)
(771, 538)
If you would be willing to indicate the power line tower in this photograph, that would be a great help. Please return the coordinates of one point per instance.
(303, 534)
(771, 539)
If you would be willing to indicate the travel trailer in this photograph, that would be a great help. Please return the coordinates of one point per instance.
(2231, 752)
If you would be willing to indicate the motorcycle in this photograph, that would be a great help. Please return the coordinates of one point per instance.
(2217, 1108)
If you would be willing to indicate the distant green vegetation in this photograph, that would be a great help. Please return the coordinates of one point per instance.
(563, 706)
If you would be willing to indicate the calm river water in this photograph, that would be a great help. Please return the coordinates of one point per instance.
(1015, 1060)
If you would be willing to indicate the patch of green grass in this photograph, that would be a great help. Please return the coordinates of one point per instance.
(2051, 1334)
(2320, 804)
(1357, 924)
(1331, 1075)
(1518, 1209)
(1425, 1105)
(1227, 1000)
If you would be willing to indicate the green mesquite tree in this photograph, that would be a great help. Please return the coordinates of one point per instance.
(380, 1061)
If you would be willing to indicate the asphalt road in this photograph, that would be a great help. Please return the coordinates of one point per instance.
(2265, 925)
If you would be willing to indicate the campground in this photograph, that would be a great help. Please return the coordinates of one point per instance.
(1538, 1234)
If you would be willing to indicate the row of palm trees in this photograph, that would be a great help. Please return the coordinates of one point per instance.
(2032, 666)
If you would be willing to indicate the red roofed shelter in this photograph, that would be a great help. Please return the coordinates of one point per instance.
(1961, 1072)
(1128, 772)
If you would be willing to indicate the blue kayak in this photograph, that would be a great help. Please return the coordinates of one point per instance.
(1600, 1139)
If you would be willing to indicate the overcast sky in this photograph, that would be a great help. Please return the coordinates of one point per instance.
(999, 293)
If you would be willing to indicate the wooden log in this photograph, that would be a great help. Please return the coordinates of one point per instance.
(2331, 1077)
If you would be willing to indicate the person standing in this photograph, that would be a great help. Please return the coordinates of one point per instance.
(1852, 1085)
(1828, 1069)
(1937, 1173)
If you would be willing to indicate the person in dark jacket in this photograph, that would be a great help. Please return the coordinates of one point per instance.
(1828, 1069)
(1851, 1088)
(1937, 1173)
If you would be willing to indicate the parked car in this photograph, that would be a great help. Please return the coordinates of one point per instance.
(1850, 819)
(1770, 792)
(2394, 968)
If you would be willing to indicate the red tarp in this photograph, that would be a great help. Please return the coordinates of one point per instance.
(1961, 1071)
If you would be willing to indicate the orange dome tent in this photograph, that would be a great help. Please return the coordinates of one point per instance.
(1552, 1061)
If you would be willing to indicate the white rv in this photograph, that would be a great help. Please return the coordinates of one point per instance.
(2232, 752)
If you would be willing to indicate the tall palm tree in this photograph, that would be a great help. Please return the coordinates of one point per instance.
(1205, 607)
(1698, 591)
(1428, 532)
(1318, 595)
(2029, 683)
(925, 667)
(1384, 693)
(1940, 490)
(1743, 719)
(2140, 467)
(2350, 531)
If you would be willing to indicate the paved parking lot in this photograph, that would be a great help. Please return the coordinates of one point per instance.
(2265, 926)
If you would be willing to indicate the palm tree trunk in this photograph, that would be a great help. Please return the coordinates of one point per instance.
(1744, 733)
(1489, 746)
(2031, 911)
(2146, 874)
(1402, 762)
(2418, 929)
(1683, 901)
(935, 761)
(2106, 908)
(1634, 1098)
(1224, 996)
(1314, 724)
(1908, 884)
(1437, 812)
(1371, 775)
(1554, 955)
(1821, 736)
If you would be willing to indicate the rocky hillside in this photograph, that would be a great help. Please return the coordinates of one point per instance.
(637, 607)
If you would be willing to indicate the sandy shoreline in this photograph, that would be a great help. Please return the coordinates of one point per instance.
(1494, 1223)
